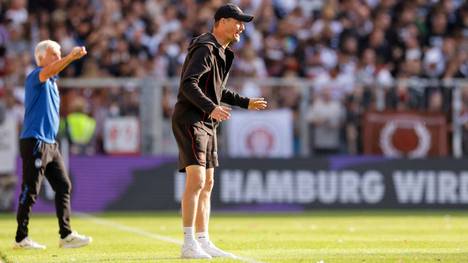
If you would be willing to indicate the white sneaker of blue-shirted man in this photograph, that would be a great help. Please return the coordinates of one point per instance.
(27, 243)
(75, 240)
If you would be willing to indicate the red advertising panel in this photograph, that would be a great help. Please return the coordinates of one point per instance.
(405, 134)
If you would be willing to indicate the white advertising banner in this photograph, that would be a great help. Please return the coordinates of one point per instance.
(122, 135)
(260, 133)
(8, 145)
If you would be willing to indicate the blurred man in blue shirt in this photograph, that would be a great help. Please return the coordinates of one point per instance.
(39, 150)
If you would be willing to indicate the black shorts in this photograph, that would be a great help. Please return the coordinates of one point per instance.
(197, 145)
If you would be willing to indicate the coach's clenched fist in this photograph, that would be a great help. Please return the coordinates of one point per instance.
(78, 52)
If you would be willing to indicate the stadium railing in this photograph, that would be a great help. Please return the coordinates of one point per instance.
(156, 138)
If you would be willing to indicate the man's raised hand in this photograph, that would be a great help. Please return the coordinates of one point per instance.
(78, 52)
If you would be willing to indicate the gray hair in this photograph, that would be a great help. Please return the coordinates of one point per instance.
(42, 47)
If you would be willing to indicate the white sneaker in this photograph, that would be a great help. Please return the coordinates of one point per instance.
(27, 243)
(214, 251)
(193, 250)
(75, 240)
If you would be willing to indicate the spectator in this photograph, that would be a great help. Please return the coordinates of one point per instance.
(436, 102)
(326, 117)
(341, 46)
(80, 128)
(17, 12)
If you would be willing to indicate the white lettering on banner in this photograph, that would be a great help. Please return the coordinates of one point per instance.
(447, 187)
(301, 187)
(350, 183)
(336, 187)
(279, 187)
(305, 187)
(430, 177)
(408, 187)
(464, 188)
(441, 187)
(231, 186)
(327, 187)
(254, 187)
(373, 188)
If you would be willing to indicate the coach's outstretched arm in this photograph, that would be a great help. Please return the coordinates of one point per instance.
(55, 67)
(232, 98)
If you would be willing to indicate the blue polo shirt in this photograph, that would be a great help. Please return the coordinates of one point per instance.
(42, 105)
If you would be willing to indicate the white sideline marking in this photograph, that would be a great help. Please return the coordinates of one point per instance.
(125, 228)
(137, 231)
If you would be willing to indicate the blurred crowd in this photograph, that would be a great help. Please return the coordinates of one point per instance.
(348, 48)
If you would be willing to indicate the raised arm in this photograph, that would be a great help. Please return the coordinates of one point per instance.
(55, 67)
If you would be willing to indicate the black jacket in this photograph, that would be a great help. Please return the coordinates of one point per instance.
(203, 80)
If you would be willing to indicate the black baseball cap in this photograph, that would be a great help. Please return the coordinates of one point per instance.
(232, 11)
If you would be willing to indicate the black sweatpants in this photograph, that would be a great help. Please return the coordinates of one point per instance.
(43, 159)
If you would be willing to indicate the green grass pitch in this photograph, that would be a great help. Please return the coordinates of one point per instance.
(330, 237)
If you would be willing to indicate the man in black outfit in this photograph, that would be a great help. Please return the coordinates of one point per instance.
(197, 113)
